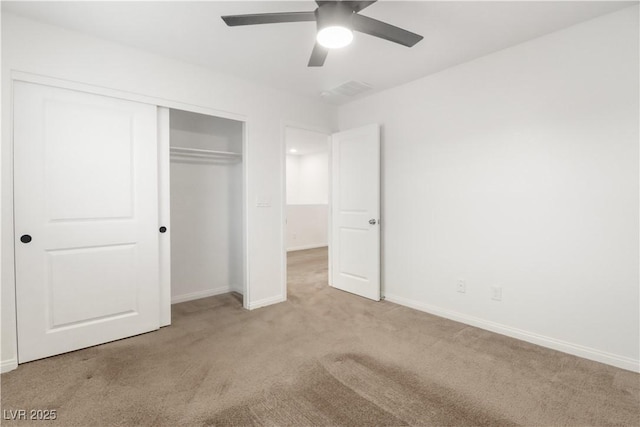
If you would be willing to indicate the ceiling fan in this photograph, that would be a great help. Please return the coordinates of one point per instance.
(336, 21)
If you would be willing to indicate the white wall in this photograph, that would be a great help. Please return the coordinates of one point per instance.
(46, 50)
(308, 179)
(520, 169)
(6, 316)
(293, 179)
(206, 209)
(314, 179)
(307, 201)
(201, 131)
(307, 226)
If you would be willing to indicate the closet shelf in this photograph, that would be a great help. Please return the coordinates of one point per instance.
(202, 155)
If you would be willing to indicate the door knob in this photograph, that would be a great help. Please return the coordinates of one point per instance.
(372, 221)
(25, 238)
(163, 229)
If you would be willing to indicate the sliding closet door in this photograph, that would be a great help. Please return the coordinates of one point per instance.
(86, 219)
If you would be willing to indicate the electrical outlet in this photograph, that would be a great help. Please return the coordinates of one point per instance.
(461, 286)
(496, 293)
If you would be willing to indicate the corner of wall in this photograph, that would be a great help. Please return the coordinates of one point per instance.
(8, 365)
(176, 299)
(266, 301)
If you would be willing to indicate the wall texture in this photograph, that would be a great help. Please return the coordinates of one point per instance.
(51, 51)
(520, 170)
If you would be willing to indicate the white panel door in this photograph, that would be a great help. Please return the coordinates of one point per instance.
(86, 219)
(355, 211)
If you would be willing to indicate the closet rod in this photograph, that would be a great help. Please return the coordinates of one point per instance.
(196, 152)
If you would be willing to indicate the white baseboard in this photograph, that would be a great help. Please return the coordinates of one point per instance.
(302, 248)
(266, 301)
(8, 365)
(200, 294)
(544, 341)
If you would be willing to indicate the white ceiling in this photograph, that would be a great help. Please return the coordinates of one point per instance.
(277, 54)
(305, 141)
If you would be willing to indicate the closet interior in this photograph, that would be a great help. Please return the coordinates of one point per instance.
(206, 189)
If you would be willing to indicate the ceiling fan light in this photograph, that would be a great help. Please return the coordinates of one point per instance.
(335, 37)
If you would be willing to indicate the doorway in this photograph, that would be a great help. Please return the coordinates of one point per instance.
(307, 210)
(206, 205)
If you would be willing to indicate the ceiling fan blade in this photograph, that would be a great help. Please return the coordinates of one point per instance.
(268, 18)
(356, 6)
(385, 31)
(318, 55)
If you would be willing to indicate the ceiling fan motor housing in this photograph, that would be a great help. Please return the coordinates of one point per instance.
(334, 14)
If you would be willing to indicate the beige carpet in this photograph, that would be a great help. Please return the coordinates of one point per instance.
(324, 357)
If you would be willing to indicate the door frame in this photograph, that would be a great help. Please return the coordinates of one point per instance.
(283, 183)
(9, 259)
(164, 172)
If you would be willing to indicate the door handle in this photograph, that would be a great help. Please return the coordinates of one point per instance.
(372, 221)
(25, 238)
(163, 229)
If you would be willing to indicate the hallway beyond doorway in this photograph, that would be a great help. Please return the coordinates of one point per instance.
(307, 271)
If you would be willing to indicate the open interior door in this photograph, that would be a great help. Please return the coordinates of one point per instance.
(355, 211)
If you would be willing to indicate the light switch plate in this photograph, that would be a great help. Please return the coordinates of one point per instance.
(263, 202)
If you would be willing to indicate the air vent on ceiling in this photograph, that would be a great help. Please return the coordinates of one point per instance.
(349, 89)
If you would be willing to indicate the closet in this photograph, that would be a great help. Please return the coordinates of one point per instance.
(206, 186)
(121, 208)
